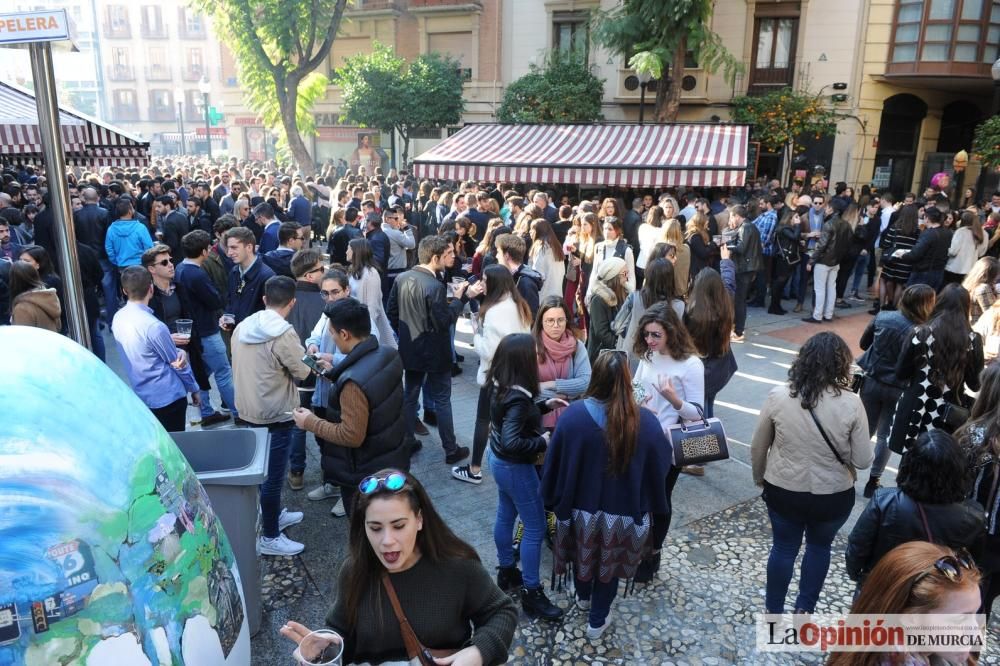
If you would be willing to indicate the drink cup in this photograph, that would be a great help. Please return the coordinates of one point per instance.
(228, 319)
(320, 648)
(184, 327)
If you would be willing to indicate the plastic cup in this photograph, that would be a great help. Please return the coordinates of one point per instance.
(228, 319)
(320, 648)
(184, 327)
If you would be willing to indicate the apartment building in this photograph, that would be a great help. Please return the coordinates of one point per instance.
(468, 30)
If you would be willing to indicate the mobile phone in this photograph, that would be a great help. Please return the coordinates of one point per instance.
(311, 361)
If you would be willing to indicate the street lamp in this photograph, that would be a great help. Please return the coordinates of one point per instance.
(644, 79)
(995, 72)
(179, 96)
(205, 87)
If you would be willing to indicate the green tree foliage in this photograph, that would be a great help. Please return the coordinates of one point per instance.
(381, 91)
(655, 36)
(986, 142)
(278, 46)
(781, 117)
(564, 90)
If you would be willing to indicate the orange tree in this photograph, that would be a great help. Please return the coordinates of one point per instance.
(986, 142)
(782, 117)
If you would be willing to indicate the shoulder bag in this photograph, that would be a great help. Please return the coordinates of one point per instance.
(836, 454)
(698, 442)
(415, 650)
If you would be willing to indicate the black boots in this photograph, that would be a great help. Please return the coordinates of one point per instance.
(647, 568)
(872, 485)
(537, 605)
(509, 578)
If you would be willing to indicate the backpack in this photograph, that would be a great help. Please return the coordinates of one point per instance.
(620, 248)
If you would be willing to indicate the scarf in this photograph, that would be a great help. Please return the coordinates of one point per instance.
(602, 290)
(558, 364)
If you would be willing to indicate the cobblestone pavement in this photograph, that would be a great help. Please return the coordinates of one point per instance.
(700, 608)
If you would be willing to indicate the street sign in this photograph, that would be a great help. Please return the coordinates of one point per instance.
(216, 131)
(882, 176)
(40, 26)
(214, 116)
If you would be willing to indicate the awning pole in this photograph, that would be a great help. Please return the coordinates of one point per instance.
(55, 163)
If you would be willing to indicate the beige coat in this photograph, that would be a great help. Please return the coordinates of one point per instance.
(267, 364)
(39, 308)
(788, 451)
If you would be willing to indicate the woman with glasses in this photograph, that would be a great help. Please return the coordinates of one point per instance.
(658, 287)
(366, 286)
(929, 504)
(518, 443)
(670, 382)
(811, 436)
(399, 541)
(603, 478)
(916, 577)
(563, 363)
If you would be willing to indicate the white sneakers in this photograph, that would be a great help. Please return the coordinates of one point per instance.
(338, 508)
(326, 491)
(593, 633)
(289, 518)
(281, 544)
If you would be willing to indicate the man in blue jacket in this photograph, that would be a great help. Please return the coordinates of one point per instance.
(205, 305)
(126, 240)
(290, 240)
(247, 278)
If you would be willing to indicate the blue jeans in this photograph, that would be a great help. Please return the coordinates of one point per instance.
(787, 541)
(109, 284)
(519, 494)
(270, 490)
(879, 401)
(213, 355)
(600, 595)
(860, 269)
(437, 389)
(96, 339)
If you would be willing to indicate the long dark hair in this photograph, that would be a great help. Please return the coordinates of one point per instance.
(824, 362)
(500, 285)
(611, 384)
(23, 277)
(907, 222)
(545, 236)
(984, 415)
(658, 285)
(678, 342)
(949, 325)
(935, 470)
(435, 541)
(361, 257)
(709, 316)
(514, 364)
(41, 256)
(538, 329)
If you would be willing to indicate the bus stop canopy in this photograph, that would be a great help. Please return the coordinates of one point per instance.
(606, 155)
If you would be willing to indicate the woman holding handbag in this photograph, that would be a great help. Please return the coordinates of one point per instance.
(811, 436)
(670, 382)
(400, 547)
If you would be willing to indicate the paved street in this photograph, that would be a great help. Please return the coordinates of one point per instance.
(699, 610)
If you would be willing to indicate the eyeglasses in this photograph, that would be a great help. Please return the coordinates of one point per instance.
(315, 270)
(817, 203)
(393, 482)
(554, 322)
(330, 294)
(162, 262)
(656, 335)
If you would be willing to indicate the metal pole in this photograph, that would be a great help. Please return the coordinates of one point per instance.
(642, 101)
(180, 122)
(55, 163)
(208, 126)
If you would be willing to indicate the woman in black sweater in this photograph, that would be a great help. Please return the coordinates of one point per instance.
(444, 592)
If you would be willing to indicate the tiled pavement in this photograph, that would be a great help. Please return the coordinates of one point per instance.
(698, 611)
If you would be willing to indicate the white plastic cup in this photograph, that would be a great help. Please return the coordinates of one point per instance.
(184, 327)
(322, 647)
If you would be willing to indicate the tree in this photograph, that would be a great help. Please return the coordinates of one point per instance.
(380, 91)
(655, 37)
(278, 45)
(780, 117)
(563, 91)
(986, 142)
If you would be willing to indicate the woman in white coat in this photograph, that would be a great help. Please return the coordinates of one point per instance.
(968, 243)
(614, 245)
(547, 258)
(366, 286)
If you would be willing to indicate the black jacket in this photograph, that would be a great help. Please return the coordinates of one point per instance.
(931, 251)
(747, 253)
(91, 224)
(203, 299)
(834, 242)
(529, 283)
(246, 292)
(280, 261)
(175, 226)
(337, 247)
(421, 316)
(378, 371)
(892, 517)
(883, 342)
(308, 309)
(516, 428)
(789, 248)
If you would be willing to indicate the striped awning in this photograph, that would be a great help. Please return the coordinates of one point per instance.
(87, 141)
(605, 155)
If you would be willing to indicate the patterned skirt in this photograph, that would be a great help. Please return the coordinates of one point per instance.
(601, 545)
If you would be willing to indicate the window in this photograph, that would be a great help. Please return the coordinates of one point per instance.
(458, 45)
(161, 99)
(570, 31)
(121, 65)
(120, 57)
(945, 31)
(152, 22)
(194, 67)
(125, 98)
(773, 53)
(191, 23)
(193, 103)
(116, 24)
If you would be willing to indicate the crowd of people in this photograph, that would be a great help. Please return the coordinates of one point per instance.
(328, 304)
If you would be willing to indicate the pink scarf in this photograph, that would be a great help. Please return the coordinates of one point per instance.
(557, 365)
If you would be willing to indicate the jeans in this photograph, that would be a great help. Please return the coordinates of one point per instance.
(802, 280)
(109, 284)
(96, 339)
(787, 541)
(825, 288)
(519, 495)
(932, 279)
(743, 282)
(270, 490)
(173, 417)
(437, 387)
(860, 268)
(880, 402)
(661, 522)
(213, 355)
(297, 452)
(600, 595)
(482, 428)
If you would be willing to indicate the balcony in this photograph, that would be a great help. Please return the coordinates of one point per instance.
(191, 31)
(158, 31)
(375, 8)
(125, 113)
(193, 73)
(121, 73)
(446, 5)
(159, 73)
(117, 30)
(162, 114)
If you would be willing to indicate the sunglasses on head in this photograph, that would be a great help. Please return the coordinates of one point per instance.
(949, 566)
(393, 482)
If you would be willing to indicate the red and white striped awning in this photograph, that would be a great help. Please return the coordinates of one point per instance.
(606, 155)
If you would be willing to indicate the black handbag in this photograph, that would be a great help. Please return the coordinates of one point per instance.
(833, 449)
(698, 442)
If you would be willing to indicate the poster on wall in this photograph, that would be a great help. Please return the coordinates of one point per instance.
(352, 148)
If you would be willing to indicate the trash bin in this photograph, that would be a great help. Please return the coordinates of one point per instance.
(231, 464)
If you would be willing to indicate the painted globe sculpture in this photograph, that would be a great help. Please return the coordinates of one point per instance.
(110, 552)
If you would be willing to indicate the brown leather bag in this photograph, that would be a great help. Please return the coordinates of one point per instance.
(415, 650)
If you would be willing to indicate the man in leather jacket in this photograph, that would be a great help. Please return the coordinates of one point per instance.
(833, 245)
(744, 244)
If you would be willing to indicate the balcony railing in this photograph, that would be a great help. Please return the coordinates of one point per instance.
(192, 73)
(158, 31)
(159, 73)
(125, 113)
(121, 73)
(117, 30)
(191, 31)
(162, 113)
(444, 4)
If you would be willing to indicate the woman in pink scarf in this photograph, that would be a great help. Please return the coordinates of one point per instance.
(563, 364)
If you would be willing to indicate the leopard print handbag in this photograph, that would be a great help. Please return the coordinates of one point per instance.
(698, 442)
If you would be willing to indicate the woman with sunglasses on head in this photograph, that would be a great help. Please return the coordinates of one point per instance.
(670, 382)
(811, 435)
(929, 503)
(603, 478)
(366, 286)
(398, 541)
(517, 443)
(916, 577)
